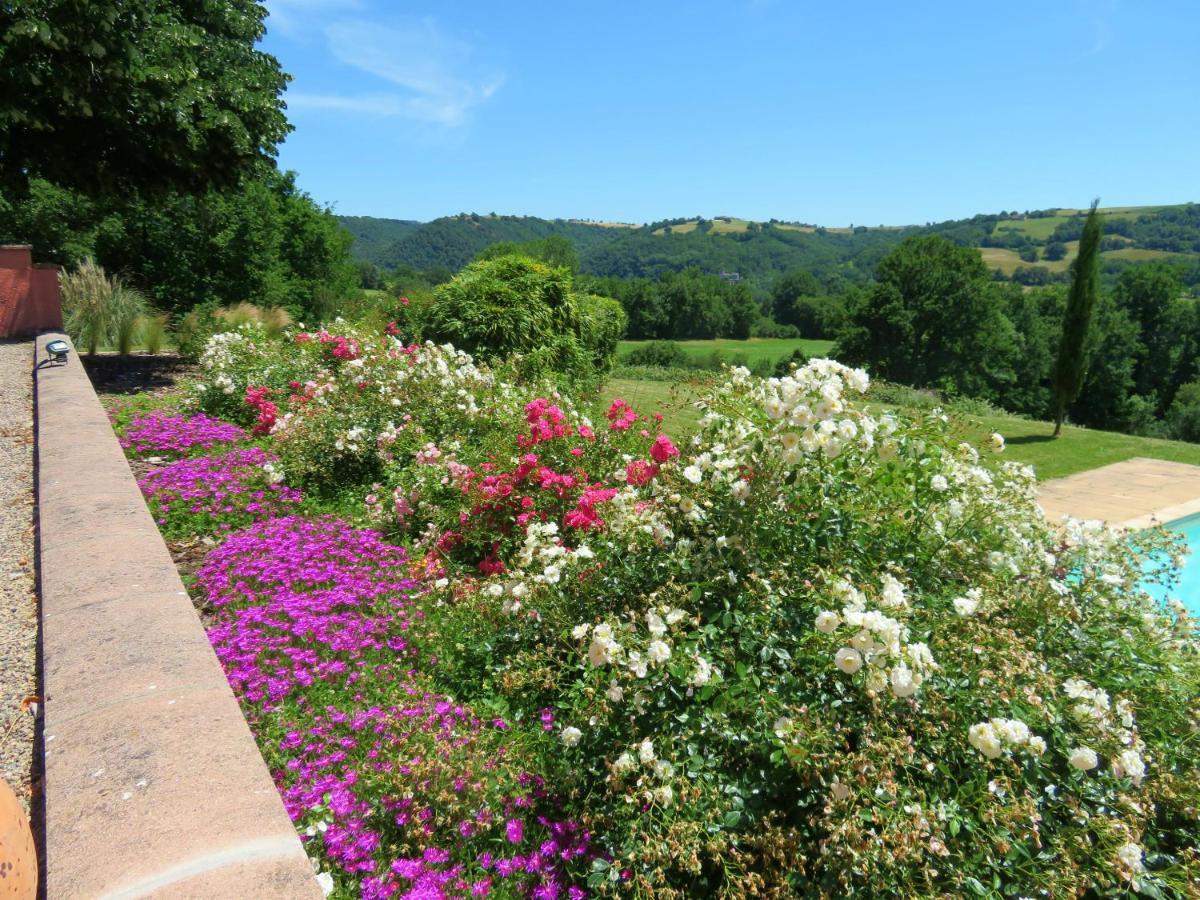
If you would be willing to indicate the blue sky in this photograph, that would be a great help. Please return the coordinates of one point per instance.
(832, 113)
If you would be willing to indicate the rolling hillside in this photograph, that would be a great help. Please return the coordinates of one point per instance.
(1010, 243)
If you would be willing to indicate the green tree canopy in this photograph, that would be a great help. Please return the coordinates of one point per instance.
(113, 95)
(933, 319)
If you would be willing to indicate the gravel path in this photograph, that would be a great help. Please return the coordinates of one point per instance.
(18, 600)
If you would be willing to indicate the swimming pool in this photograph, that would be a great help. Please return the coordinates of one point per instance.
(1188, 588)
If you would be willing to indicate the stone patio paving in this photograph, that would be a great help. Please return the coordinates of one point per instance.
(1134, 493)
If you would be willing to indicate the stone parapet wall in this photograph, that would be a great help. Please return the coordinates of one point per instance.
(153, 783)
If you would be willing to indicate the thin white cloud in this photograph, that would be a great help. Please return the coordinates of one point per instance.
(301, 18)
(439, 80)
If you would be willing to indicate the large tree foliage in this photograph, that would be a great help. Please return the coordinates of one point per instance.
(933, 318)
(682, 305)
(1071, 368)
(135, 94)
(262, 241)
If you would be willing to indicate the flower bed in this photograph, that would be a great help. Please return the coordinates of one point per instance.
(818, 650)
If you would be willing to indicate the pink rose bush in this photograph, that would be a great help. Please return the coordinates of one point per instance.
(818, 648)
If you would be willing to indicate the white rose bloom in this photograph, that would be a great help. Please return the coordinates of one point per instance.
(624, 763)
(848, 660)
(615, 693)
(740, 489)
(892, 595)
(646, 751)
(600, 652)
(965, 606)
(693, 474)
(983, 737)
(1130, 765)
(996, 443)
(655, 624)
(1037, 745)
(659, 652)
(1131, 855)
(827, 621)
(782, 726)
(939, 483)
(603, 632)
(774, 408)
(571, 735)
(903, 683)
(580, 631)
(703, 672)
(664, 796)
(325, 882)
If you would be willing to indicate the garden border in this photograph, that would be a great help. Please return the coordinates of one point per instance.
(153, 782)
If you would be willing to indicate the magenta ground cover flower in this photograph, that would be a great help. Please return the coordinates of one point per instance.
(305, 600)
(399, 788)
(166, 434)
(215, 493)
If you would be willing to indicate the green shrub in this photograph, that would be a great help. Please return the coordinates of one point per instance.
(512, 306)
(662, 354)
(99, 311)
(769, 328)
(602, 325)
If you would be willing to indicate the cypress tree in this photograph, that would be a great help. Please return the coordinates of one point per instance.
(1071, 366)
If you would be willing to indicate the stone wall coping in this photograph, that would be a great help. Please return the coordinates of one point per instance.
(154, 786)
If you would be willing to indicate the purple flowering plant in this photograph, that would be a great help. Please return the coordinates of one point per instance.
(173, 435)
(216, 494)
(399, 790)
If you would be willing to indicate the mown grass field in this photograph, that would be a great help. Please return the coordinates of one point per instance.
(1007, 261)
(754, 350)
(1075, 450)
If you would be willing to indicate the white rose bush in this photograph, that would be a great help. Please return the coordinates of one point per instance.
(818, 649)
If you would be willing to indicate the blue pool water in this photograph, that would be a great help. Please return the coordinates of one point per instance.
(1188, 588)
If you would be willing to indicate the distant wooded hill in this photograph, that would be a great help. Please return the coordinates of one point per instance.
(1032, 247)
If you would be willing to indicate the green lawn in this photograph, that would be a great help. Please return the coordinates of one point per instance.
(1076, 450)
(754, 349)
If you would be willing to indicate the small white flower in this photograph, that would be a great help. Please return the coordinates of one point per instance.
(646, 751)
(1084, 758)
(325, 882)
(983, 737)
(782, 726)
(693, 474)
(965, 606)
(579, 632)
(904, 684)
(827, 621)
(939, 483)
(996, 443)
(1131, 855)
(848, 660)
(659, 652)
(615, 692)
(740, 489)
(624, 763)
(571, 735)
